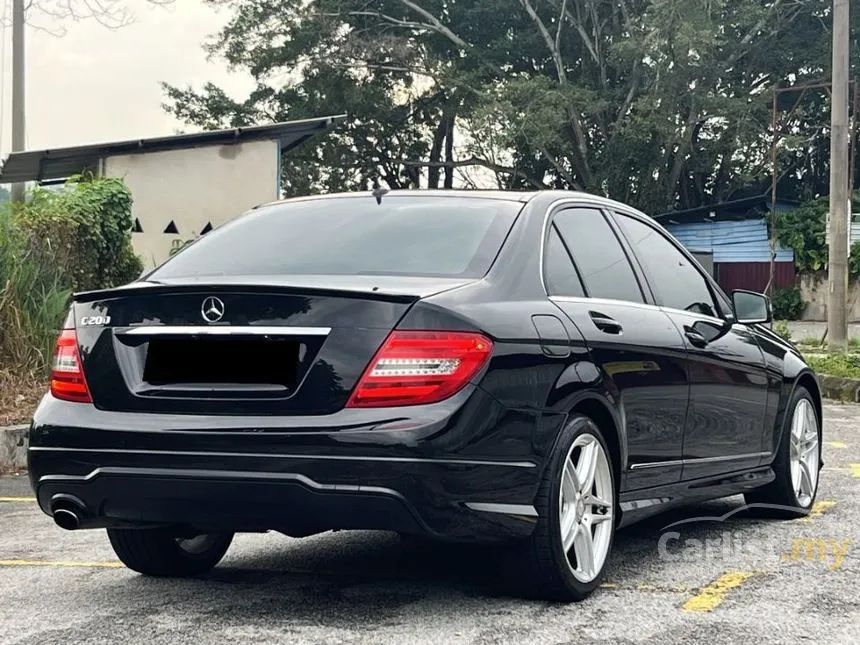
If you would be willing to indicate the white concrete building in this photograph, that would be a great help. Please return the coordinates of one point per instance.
(183, 185)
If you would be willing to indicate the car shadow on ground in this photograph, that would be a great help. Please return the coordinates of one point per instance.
(342, 568)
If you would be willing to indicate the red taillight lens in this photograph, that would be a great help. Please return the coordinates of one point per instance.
(67, 376)
(415, 367)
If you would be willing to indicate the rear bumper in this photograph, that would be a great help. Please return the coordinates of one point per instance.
(401, 475)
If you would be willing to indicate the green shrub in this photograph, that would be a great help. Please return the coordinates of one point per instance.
(780, 327)
(787, 304)
(86, 228)
(34, 295)
(803, 229)
(76, 238)
(845, 365)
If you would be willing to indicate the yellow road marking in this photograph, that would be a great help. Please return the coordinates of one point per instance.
(60, 563)
(818, 509)
(645, 586)
(711, 596)
(855, 470)
(836, 444)
(17, 499)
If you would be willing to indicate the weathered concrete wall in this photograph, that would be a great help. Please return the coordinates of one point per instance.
(813, 289)
(13, 448)
(192, 188)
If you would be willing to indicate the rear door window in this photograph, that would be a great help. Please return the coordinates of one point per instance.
(404, 235)
(559, 273)
(598, 255)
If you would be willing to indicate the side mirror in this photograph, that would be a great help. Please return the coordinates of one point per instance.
(751, 307)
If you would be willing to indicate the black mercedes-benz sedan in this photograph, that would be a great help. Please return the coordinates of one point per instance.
(532, 369)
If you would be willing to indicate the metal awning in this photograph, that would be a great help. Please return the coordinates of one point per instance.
(60, 163)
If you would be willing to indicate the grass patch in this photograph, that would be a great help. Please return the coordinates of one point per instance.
(844, 365)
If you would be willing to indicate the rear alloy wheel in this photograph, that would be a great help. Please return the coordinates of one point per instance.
(567, 553)
(162, 553)
(797, 465)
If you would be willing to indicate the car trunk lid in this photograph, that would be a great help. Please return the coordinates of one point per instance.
(250, 345)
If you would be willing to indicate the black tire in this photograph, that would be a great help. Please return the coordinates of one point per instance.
(778, 499)
(159, 553)
(540, 562)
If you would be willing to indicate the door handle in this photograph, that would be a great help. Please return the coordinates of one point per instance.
(695, 338)
(604, 323)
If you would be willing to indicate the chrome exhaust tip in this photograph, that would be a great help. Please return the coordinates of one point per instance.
(67, 519)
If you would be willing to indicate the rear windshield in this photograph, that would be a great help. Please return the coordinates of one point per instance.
(405, 235)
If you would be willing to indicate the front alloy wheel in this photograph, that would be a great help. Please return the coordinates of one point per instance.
(796, 466)
(804, 453)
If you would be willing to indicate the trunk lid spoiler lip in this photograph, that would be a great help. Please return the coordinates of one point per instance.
(387, 288)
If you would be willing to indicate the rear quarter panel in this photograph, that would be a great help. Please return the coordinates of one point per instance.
(537, 378)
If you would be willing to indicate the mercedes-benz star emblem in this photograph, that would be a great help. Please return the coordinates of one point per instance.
(212, 309)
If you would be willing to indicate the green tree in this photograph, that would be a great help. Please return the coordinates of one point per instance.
(659, 103)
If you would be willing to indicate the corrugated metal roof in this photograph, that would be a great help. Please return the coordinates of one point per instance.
(739, 209)
(60, 163)
(730, 241)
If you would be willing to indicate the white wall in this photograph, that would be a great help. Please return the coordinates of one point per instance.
(813, 290)
(193, 187)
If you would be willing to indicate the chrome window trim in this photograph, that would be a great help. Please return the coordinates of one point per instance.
(221, 330)
(600, 203)
(605, 301)
(588, 201)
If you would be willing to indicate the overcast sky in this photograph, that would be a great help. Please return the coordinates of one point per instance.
(94, 84)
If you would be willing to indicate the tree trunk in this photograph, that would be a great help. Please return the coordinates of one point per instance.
(449, 152)
(433, 172)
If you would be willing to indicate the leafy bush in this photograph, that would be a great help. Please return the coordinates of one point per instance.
(86, 228)
(845, 365)
(803, 229)
(34, 295)
(780, 327)
(787, 303)
(73, 239)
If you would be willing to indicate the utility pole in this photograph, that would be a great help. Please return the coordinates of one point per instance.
(837, 267)
(18, 109)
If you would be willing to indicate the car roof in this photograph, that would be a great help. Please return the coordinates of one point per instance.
(506, 195)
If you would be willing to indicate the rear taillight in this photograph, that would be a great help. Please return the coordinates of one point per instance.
(415, 367)
(67, 376)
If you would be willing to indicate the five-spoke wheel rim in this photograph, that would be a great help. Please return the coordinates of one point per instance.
(585, 507)
(804, 452)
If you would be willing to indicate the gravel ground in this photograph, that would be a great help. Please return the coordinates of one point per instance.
(732, 581)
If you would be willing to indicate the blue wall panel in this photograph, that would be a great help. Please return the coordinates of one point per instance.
(731, 241)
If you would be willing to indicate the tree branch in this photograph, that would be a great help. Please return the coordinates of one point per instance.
(579, 131)
(738, 49)
(560, 23)
(474, 161)
(432, 24)
(550, 43)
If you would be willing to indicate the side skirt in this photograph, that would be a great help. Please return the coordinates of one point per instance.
(641, 504)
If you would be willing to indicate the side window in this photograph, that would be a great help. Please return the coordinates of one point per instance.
(678, 283)
(598, 255)
(559, 274)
